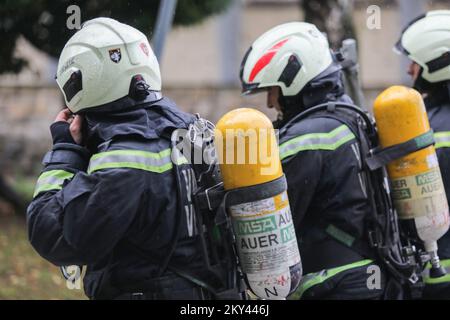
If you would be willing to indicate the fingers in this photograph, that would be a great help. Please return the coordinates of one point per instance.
(76, 123)
(64, 115)
(76, 129)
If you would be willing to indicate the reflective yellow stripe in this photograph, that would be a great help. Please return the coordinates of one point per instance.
(51, 180)
(143, 160)
(446, 278)
(312, 279)
(442, 139)
(316, 141)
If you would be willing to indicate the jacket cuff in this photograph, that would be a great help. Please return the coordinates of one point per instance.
(67, 155)
(60, 131)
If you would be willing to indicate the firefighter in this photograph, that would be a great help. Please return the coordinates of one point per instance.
(426, 42)
(109, 196)
(320, 156)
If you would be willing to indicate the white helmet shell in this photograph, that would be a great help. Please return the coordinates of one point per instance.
(98, 62)
(426, 41)
(288, 56)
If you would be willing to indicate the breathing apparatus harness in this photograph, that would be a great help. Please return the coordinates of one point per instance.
(400, 257)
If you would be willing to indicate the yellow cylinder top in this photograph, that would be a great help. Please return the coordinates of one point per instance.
(247, 149)
(400, 115)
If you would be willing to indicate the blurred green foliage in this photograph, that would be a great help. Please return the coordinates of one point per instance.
(43, 22)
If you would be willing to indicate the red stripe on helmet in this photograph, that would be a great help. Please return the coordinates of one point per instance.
(265, 59)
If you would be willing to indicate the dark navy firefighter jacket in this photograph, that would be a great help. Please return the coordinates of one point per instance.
(321, 161)
(117, 200)
(438, 109)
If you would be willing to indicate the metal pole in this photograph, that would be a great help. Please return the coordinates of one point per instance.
(409, 9)
(229, 28)
(350, 66)
(164, 20)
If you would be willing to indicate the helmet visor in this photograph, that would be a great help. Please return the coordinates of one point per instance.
(399, 48)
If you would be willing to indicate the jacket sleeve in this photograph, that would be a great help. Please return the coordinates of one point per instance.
(84, 220)
(444, 164)
(77, 218)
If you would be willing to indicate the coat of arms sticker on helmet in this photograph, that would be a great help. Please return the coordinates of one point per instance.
(115, 55)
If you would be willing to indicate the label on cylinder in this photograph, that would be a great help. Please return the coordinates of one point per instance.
(420, 195)
(273, 286)
(267, 246)
(265, 234)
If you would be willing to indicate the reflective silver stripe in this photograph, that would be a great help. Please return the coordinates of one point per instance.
(143, 160)
(442, 139)
(317, 141)
(51, 180)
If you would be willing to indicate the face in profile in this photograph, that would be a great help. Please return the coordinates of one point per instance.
(273, 93)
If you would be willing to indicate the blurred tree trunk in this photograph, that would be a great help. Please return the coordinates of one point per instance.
(334, 17)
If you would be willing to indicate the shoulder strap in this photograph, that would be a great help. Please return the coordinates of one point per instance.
(382, 156)
(331, 107)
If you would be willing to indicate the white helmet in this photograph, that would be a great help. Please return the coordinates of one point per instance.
(98, 63)
(288, 56)
(426, 41)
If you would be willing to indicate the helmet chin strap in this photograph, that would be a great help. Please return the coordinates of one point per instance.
(290, 106)
(436, 93)
(448, 89)
(424, 86)
(310, 96)
(420, 84)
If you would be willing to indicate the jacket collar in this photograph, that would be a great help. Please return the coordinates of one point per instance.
(148, 119)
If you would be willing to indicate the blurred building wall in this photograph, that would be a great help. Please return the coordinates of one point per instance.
(193, 71)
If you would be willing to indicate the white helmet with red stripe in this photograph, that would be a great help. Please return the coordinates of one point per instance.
(288, 56)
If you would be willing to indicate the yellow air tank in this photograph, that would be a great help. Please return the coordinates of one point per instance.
(417, 188)
(264, 231)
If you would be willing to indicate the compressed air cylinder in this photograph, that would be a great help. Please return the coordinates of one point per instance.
(417, 188)
(264, 231)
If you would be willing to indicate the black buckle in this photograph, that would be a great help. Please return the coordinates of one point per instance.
(331, 107)
(373, 243)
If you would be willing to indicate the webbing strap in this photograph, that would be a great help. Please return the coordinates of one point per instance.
(382, 157)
